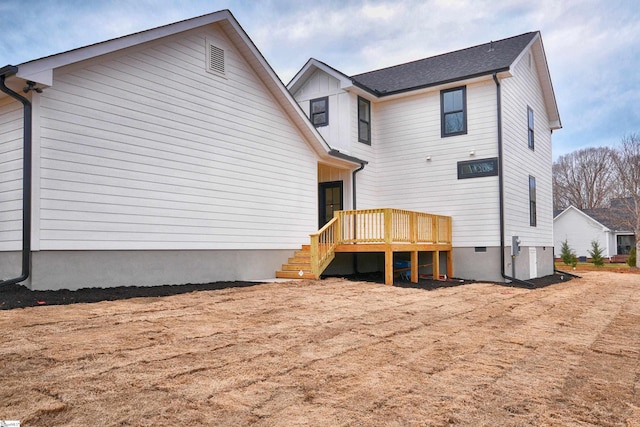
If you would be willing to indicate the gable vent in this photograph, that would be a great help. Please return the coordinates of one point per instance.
(216, 59)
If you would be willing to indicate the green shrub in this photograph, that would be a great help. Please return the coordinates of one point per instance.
(632, 257)
(596, 254)
(567, 255)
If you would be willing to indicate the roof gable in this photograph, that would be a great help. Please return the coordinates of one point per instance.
(310, 68)
(572, 210)
(611, 219)
(41, 71)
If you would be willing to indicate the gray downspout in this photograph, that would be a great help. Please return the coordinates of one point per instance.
(26, 176)
(353, 196)
(501, 187)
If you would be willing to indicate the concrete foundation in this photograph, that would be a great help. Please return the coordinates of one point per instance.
(52, 270)
(475, 264)
(83, 269)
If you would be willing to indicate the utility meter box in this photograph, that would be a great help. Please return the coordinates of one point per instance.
(515, 245)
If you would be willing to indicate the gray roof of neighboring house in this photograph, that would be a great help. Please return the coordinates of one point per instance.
(474, 61)
(618, 217)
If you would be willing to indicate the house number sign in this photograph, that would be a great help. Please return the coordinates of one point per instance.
(478, 168)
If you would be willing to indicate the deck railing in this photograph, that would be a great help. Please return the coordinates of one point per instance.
(376, 226)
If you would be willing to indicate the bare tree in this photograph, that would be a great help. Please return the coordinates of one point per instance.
(627, 162)
(585, 179)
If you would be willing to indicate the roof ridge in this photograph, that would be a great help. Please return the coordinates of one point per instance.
(473, 61)
(445, 53)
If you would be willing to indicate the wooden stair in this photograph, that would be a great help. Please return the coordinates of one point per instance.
(300, 262)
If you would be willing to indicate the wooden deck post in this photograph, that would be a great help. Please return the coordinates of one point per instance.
(413, 227)
(414, 266)
(388, 227)
(436, 265)
(450, 263)
(388, 267)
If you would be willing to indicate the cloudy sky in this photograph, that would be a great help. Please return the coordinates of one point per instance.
(592, 46)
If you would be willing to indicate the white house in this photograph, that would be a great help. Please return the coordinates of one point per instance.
(465, 134)
(176, 155)
(581, 227)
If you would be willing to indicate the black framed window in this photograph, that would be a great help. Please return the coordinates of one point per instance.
(533, 216)
(364, 121)
(453, 111)
(319, 113)
(530, 124)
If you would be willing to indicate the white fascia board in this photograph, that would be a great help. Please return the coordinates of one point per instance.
(310, 67)
(285, 98)
(41, 70)
(542, 68)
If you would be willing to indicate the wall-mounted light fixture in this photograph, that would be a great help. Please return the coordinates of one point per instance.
(31, 86)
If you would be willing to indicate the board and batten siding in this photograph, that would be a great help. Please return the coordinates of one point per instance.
(520, 162)
(144, 149)
(342, 131)
(11, 155)
(409, 131)
(319, 85)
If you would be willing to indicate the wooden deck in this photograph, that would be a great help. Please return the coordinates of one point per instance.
(386, 231)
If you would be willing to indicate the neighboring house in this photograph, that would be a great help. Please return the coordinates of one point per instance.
(174, 155)
(579, 228)
(465, 134)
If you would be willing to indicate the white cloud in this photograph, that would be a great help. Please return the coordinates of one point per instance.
(591, 45)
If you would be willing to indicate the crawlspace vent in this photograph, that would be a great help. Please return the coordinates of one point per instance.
(216, 59)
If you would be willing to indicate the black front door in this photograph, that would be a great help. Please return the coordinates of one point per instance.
(330, 194)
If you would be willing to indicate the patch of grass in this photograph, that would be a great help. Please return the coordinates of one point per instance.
(588, 266)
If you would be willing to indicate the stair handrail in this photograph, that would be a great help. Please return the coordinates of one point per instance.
(323, 244)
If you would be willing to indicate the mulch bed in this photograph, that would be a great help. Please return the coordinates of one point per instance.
(18, 296)
(430, 284)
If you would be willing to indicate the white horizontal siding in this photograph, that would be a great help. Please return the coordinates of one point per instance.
(409, 132)
(11, 155)
(147, 150)
(520, 91)
(579, 231)
(366, 179)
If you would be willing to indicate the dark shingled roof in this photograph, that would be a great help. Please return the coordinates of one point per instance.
(466, 63)
(610, 218)
(619, 217)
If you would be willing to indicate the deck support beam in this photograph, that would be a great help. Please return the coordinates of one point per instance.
(388, 267)
(436, 265)
(414, 266)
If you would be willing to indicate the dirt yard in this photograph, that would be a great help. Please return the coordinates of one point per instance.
(332, 353)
